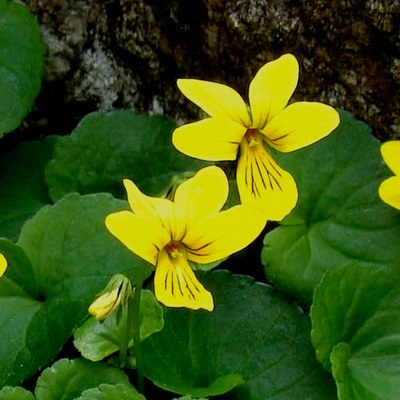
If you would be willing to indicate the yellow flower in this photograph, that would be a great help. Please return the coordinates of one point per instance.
(115, 294)
(169, 234)
(3, 264)
(234, 129)
(389, 190)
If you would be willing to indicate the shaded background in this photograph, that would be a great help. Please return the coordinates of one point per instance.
(106, 54)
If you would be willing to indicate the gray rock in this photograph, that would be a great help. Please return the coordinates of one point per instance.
(128, 54)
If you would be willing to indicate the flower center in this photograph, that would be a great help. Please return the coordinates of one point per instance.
(173, 249)
(252, 137)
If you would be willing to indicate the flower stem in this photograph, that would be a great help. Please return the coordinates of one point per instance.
(132, 330)
(136, 335)
(127, 336)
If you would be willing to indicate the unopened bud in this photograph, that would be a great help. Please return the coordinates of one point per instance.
(114, 295)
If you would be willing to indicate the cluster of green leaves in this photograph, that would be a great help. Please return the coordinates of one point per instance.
(337, 253)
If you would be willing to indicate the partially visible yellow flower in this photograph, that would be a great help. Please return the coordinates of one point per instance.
(114, 295)
(389, 190)
(236, 130)
(3, 264)
(170, 234)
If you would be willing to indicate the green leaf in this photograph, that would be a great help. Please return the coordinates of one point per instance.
(189, 398)
(18, 306)
(356, 330)
(15, 393)
(18, 272)
(111, 392)
(63, 258)
(23, 190)
(68, 379)
(340, 218)
(98, 339)
(69, 241)
(21, 63)
(253, 335)
(105, 148)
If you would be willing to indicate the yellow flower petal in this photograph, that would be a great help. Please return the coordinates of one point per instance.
(212, 139)
(262, 183)
(147, 206)
(271, 89)
(389, 191)
(3, 264)
(143, 236)
(202, 195)
(391, 154)
(216, 99)
(300, 124)
(162, 211)
(223, 234)
(177, 286)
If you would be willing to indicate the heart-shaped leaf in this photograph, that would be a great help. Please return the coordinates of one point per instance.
(253, 334)
(15, 393)
(63, 258)
(21, 63)
(105, 148)
(111, 392)
(356, 330)
(339, 218)
(68, 379)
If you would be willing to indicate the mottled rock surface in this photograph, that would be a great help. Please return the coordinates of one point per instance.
(105, 54)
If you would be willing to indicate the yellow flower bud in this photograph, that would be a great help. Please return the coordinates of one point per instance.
(115, 294)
